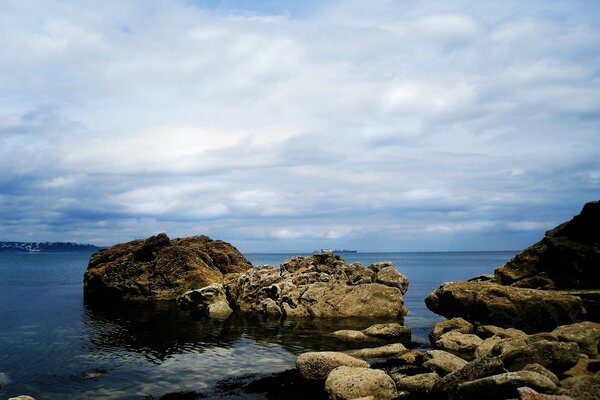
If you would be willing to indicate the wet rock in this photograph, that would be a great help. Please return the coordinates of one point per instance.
(526, 393)
(567, 257)
(159, 268)
(317, 365)
(416, 384)
(516, 353)
(210, 300)
(442, 362)
(505, 306)
(349, 335)
(583, 387)
(541, 370)
(345, 383)
(455, 324)
(478, 368)
(504, 386)
(463, 345)
(391, 331)
(388, 350)
(586, 334)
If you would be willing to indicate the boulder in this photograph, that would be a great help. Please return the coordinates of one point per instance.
(586, 334)
(158, 268)
(322, 286)
(487, 346)
(478, 368)
(349, 335)
(504, 386)
(415, 384)
(566, 258)
(345, 383)
(389, 350)
(455, 324)
(541, 370)
(390, 331)
(390, 276)
(487, 331)
(463, 345)
(442, 362)
(210, 300)
(487, 303)
(317, 365)
(556, 356)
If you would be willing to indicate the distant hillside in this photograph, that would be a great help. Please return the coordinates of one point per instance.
(46, 247)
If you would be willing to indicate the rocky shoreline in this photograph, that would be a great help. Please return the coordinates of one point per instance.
(519, 333)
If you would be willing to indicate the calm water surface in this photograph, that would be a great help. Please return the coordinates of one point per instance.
(52, 346)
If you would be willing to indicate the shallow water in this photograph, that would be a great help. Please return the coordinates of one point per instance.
(54, 346)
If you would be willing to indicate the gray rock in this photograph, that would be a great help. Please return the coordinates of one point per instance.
(416, 384)
(504, 386)
(586, 334)
(463, 345)
(345, 383)
(442, 362)
(478, 368)
(317, 365)
(455, 324)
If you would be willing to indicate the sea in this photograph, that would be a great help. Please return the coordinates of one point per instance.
(54, 346)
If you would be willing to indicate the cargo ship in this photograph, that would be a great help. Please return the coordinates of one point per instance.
(336, 251)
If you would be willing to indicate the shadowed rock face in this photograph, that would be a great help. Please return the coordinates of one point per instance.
(158, 268)
(568, 257)
(487, 303)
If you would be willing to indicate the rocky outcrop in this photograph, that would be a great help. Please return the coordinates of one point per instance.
(487, 303)
(566, 258)
(210, 300)
(320, 286)
(159, 268)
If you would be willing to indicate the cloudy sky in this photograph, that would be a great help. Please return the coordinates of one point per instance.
(297, 125)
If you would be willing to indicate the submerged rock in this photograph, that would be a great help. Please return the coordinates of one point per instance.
(486, 303)
(322, 286)
(159, 268)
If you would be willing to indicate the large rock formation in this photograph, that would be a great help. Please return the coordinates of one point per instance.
(158, 268)
(568, 257)
(321, 285)
(487, 303)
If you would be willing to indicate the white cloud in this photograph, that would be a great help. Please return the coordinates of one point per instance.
(392, 123)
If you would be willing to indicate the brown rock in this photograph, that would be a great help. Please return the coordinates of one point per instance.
(526, 393)
(443, 362)
(516, 353)
(210, 300)
(454, 324)
(583, 387)
(505, 306)
(390, 331)
(158, 268)
(478, 368)
(416, 384)
(345, 383)
(541, 370)
(317, 365)
(388, 350)
(463, 345)
(504, 386)
(586, 334)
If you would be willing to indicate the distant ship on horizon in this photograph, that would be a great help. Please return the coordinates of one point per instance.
(336, 251)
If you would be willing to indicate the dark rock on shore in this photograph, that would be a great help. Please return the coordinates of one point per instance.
(508, 307)
(158, 268)
(568, 257)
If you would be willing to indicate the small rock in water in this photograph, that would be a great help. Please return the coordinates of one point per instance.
(317, 365)
(346, 383)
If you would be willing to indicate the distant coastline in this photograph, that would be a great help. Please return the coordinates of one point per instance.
(46, 247)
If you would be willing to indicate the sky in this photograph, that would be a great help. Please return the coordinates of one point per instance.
(373, 125)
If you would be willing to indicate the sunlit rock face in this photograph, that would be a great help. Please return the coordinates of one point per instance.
(321, 286)
(159, 268)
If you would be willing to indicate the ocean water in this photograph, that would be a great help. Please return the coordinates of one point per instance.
(53, 346)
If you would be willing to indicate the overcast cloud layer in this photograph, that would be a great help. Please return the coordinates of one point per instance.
(375, 125)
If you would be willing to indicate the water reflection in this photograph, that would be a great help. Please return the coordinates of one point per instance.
(159, 331)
